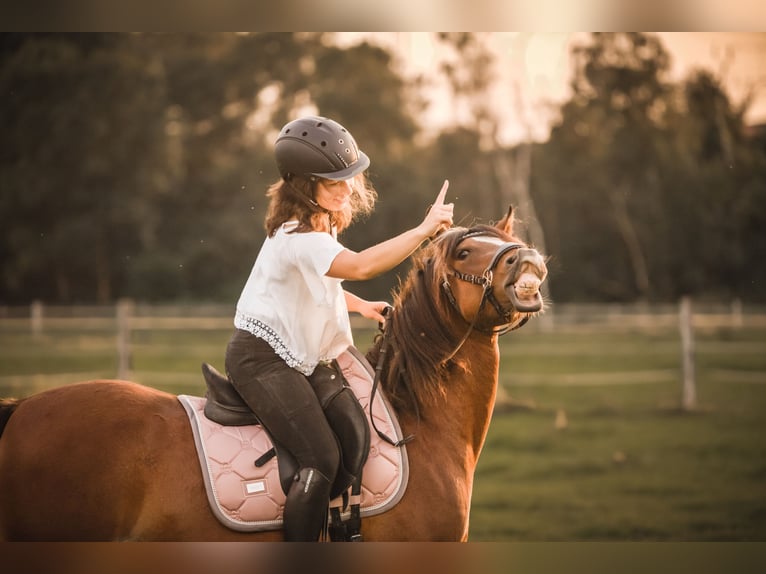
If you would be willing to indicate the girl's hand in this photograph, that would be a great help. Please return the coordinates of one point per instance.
(369, 309)
(386, 255)
(373, 310)
(439, 216)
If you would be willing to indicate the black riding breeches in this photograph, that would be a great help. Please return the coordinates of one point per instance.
(284, 401)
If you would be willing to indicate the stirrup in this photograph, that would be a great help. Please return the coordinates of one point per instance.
(350, 529)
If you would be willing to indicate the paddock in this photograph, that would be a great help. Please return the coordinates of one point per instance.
(629, 464)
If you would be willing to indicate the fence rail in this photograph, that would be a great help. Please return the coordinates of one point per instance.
(128, 316)
(121, 321)
(39, 317)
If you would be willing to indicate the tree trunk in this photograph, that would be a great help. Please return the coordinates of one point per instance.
(517, 173)
(630, 237)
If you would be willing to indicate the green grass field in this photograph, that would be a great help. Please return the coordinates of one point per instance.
(623, 463)
(629, 464)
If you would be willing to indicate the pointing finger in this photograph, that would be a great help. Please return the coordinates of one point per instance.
(442, 193)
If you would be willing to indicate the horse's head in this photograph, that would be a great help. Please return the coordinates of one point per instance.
(474, 279)
(490, 277)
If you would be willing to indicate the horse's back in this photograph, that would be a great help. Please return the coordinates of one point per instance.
(55, 420)
(81, 461)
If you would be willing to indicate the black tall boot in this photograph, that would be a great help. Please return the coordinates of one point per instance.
(347, 420)
(306, 506)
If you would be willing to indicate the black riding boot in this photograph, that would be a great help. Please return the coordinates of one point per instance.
(306, 506)
(348, 422)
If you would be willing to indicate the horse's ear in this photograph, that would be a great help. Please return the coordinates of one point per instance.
(506, 223)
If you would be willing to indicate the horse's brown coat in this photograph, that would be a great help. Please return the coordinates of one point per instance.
(87, 461)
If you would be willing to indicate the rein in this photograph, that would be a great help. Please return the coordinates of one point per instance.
(384, 345)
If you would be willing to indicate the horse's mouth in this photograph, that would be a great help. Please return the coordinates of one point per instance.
(525, 293)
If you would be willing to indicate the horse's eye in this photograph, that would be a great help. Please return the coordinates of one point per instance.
(512, 259)
(462, 254)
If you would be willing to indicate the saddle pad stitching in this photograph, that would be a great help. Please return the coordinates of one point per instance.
(210, 488)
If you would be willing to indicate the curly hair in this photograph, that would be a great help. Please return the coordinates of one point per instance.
(295, 198)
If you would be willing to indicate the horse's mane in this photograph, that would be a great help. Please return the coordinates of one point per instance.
(418, 330)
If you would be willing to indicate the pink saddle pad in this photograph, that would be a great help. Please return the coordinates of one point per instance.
(247, 498)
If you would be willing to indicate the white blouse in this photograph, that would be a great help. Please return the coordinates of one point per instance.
(289, 302)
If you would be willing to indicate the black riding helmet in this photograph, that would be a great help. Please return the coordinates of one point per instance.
(317, 146)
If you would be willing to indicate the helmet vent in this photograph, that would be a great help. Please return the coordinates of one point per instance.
(324, 144)
(340, 141)
(304, 134)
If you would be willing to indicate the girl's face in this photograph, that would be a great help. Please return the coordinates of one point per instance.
(333, 195)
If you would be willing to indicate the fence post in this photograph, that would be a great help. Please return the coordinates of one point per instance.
(36, 318)
(124, 312)
(689, 389)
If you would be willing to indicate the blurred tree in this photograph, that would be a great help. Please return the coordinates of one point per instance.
(339, 92)
(260, 81)
(361, 87)
(598, 173)
(501, 176)
(137, 164)
(82, 153)
(224, 92)
(647, 188)
(469, 67)
(715, 177)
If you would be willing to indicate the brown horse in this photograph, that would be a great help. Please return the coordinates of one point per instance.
(110, 460)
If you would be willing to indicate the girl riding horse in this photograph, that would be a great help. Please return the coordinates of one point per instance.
(292, 316)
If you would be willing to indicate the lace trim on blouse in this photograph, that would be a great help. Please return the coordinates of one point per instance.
(263, 331)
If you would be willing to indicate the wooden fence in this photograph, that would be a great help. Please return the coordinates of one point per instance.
(127, 317)
(39, 317)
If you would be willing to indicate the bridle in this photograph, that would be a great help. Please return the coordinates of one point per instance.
(485, 282)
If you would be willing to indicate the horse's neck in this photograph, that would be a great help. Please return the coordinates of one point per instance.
(448, 440)
(480, 387)
(464, 412)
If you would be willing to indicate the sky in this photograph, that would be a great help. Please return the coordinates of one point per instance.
(533, 71)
